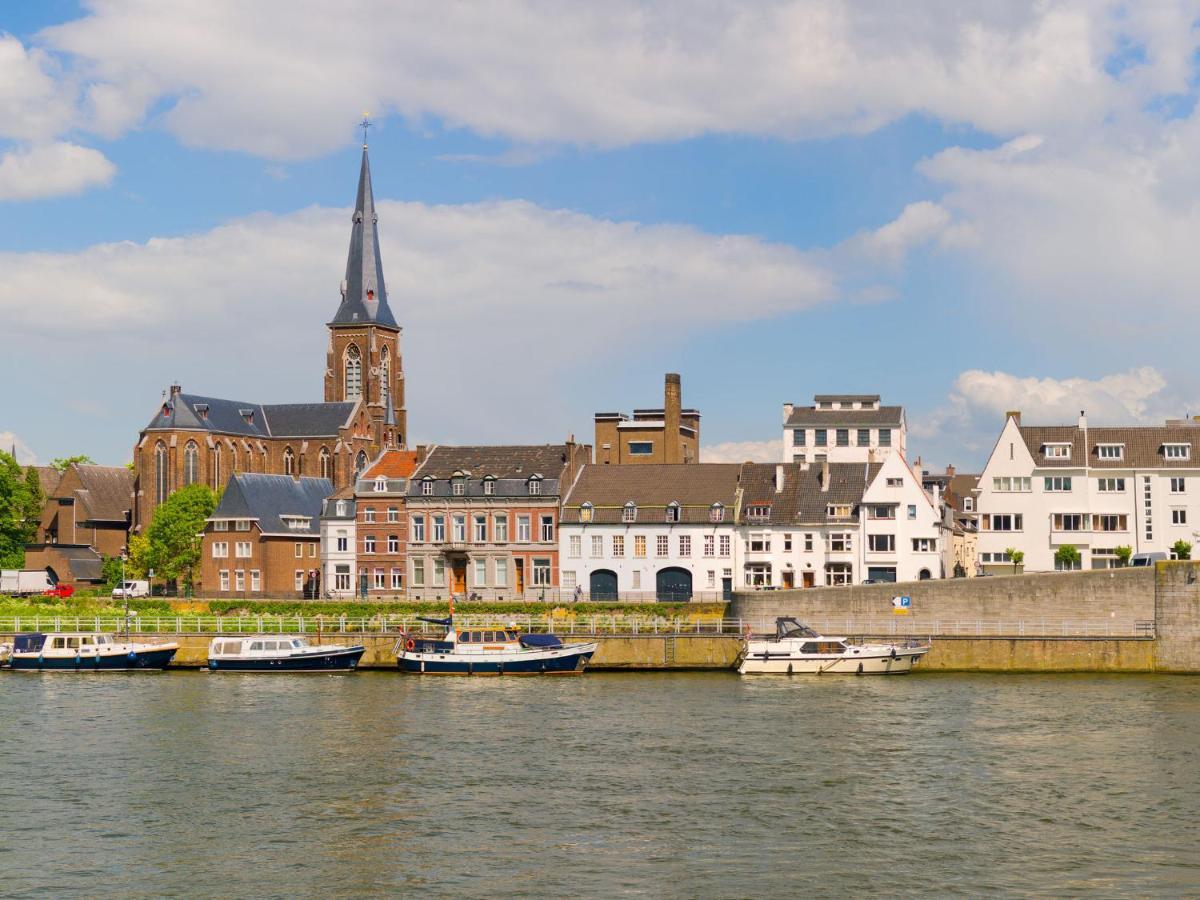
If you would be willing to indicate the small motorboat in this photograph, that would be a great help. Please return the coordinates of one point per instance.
(86, 651)
(280, 653)
(490, 651)
(797, 649)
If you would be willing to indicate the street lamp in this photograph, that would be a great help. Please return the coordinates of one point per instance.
(125, 590)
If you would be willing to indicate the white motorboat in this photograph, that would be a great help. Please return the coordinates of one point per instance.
(797, 649)
(280, 653)
(86, 651)
(490, 651)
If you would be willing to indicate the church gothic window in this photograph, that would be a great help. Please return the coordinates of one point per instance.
(353, 373)
(289, 462)
(326, 468)
(385, 377)
(217, 467)
(160, 472)
(191, 463)
(360, 463)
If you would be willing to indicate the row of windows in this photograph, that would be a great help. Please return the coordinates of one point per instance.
(841, 437)
(629, 512)
(458, 486)
(1064, 483)
(479, 528)
(712, 545)
(1062, 450)
(191, 466)
(483, 572)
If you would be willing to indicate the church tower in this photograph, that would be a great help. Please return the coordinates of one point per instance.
(363, 360)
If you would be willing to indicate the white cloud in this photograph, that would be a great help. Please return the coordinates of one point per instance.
(34, 103)
(47, 170)
(622, 73)
(917, 224)
(742, 451)
(10, 442)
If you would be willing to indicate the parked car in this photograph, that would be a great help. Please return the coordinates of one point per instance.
(131, 589)
(1141, 560)
(61, 591)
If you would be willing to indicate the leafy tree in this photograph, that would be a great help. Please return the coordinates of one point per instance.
(1017, 557)
(64, 462)
(1182, 549)
(1122, 554)
(172, 539)
(21, 501)
(1067, 556)
(110, 570)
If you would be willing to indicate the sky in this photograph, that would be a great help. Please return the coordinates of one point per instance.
(965, 207)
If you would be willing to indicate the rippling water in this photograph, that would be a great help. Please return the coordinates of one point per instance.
(680, 785)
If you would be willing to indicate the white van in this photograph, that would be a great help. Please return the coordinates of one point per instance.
(1141, 560)
(131, 589)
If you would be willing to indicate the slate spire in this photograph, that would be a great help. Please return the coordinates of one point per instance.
(364, 296)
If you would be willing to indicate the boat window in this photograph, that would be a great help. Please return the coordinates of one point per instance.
(464, 637)
(104, 639)
(86, 641)
(298, 642)
(233, 648)
(489, 636)
(810, 647)
(476, 637)
(72, 642)
(830, 647)
(58, 643)
(510, 635)
(256, 645)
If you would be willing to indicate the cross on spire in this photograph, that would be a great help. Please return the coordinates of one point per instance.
(364, 125)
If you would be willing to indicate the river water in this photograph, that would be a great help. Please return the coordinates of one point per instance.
(674, 785)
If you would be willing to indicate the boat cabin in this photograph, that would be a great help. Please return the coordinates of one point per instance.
(487, 637)
(256, 646)
(85, 642)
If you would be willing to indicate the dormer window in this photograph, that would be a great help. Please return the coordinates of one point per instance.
(458, 486)
(629, 512)
(1057, 451)
(1110, 451)
(535, 485)
(166, 410)
(1177, 451)
(202, 410)
(673, 511)
(758, 513)
(341, 507)
(427, 487)
(585, 512)
(381, 485)
(489, 485)
(247, 416)
(838, 511)
(716, 513)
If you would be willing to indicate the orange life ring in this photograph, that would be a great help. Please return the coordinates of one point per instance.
(410, 644)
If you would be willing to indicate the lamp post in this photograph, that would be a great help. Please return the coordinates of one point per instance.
(125, 591)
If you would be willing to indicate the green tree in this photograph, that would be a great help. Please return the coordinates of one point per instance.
(1067, 556)
(110, 570)
(21, 501)
(64, 462)
(1122, 554)
(1017, 557)
(173, 537)
(1182, 549)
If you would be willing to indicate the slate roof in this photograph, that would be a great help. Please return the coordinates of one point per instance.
(221, 416)
(802, 501)
(269, 497)
(84, 562)
(364, 266)
(106, 492)
(504, 461)
(848, 398)
(831, 418)
(653, 487)
(1143, 446)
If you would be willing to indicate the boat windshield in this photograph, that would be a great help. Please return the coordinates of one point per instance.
(791, 628)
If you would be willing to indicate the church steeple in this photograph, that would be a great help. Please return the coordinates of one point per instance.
(364, 296)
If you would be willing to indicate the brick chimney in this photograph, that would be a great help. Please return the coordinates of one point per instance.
(672, 402)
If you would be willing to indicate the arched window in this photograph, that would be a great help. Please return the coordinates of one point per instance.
(191, 463)
(326, 467)
(360, 463)
(353, 373)
(629, 512)
(673, 511)
(233, 458)
(217, 467)
(289, 462)
(585, 512)
(385, 376)
(161, 472)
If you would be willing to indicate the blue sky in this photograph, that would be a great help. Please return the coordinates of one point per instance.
(964, 209)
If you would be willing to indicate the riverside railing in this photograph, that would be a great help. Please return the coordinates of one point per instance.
(590, 625)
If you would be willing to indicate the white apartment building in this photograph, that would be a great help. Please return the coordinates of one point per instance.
(1093, 488)
(843, 428)
(807, 525)
(338, 575)
(646, 532)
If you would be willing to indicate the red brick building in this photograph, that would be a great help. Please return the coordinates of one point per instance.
(381, 499)
(194, 438)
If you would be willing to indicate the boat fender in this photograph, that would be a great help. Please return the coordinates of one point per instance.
(893, 653)
(410, 645)
(78, 660)
(131, 656)
(789, 668)
(41, 659)
(860, 669)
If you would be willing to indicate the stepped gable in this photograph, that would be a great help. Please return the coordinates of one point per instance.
(269, 498)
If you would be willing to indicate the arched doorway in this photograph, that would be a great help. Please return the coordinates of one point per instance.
(673, 584)
(925, 575)
(603, 585)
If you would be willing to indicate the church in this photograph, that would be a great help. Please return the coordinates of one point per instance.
(194, 438)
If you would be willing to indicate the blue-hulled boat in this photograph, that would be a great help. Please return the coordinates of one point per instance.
(280, 653)
(86, 651)
(490, 651)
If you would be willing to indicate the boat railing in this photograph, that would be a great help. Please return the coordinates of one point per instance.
(615, 624)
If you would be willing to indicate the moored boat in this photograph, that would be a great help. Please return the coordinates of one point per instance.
(490, 651)
(87, 651)
(797, 649)
(280, 653)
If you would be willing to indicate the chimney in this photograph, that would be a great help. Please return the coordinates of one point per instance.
(870, 456)
(1014, 414)
(176, 390)
(779, 478)
(787, 412)
(1083, 420)
(949, 471)
(672, 401)
(824, 475)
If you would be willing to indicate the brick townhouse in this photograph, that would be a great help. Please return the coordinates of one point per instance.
(381, 523)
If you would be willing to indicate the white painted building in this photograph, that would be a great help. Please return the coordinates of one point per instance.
(1095, 489)
(339, 575)
(646, 532)
(843, 428)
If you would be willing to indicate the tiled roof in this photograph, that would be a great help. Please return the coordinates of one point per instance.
(547, 460)
(652, 488)
(106, 492)
(802, 501)
(1143, 445)
(48, 478)
(268, 498)
(831, 418)
(215, 414)
(848, 398)
(393, 464)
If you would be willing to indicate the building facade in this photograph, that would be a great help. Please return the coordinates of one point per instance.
(650, 436)
(381, 501)
(483, 521)
(194, 438)
(843, 428)
(647, 532)
(1093, 488)
(263, 539)
(339, 549)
